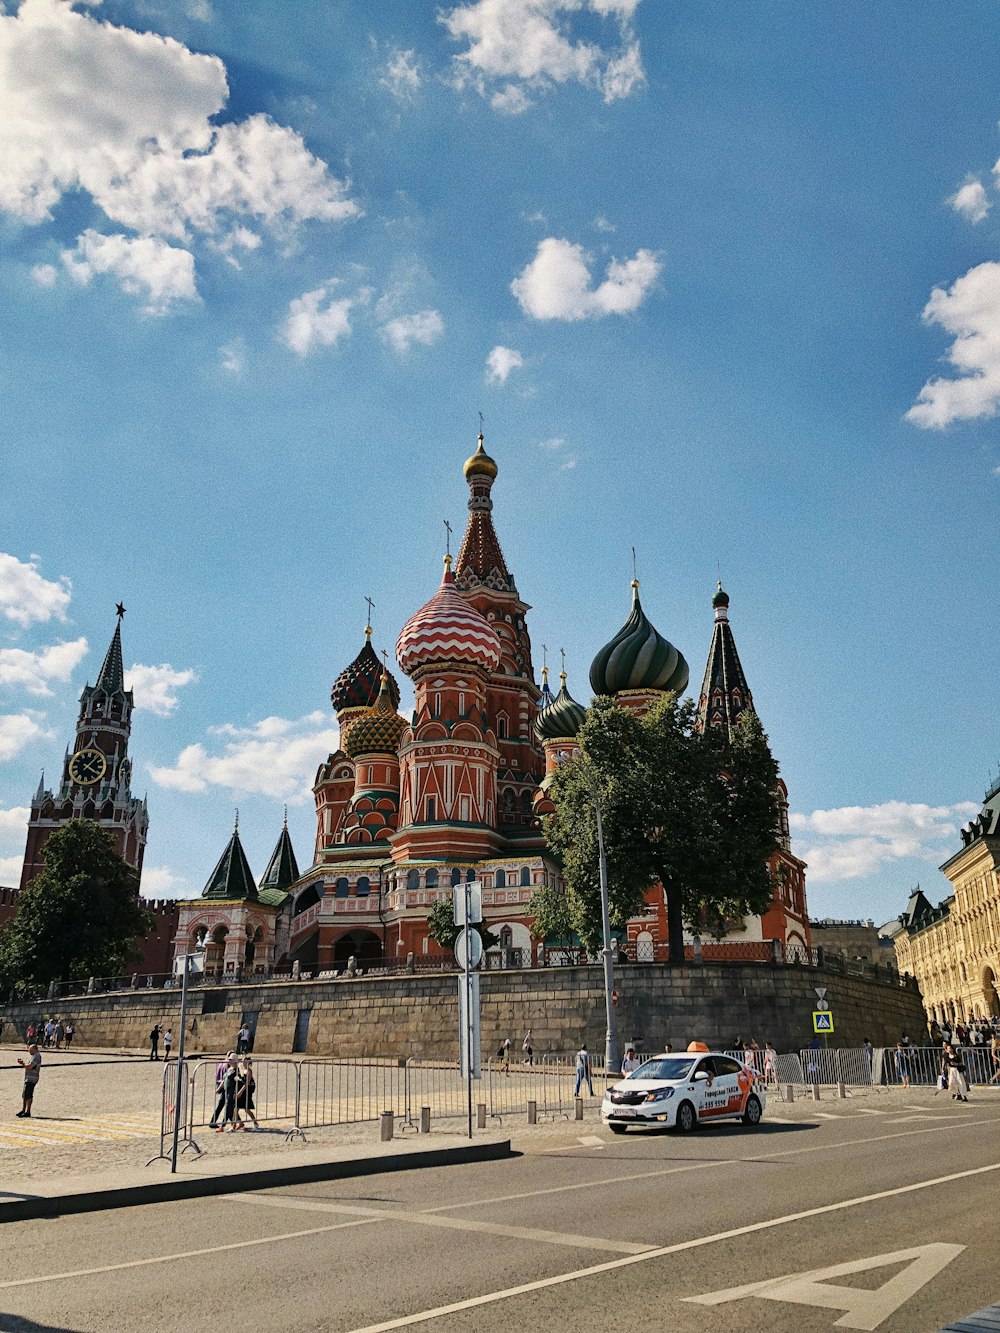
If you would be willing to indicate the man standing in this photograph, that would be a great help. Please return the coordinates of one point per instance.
(168, 1041)
(528, 1048)
(154, 1042)
(583, 1071)
(31, 1068)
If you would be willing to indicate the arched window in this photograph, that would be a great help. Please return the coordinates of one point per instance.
(342, 888)
(508, 802)
(413, 879)
(525, 877)
(364, 887)
(501, 727)
(456, 876)
(501, 879)
(431, 879)
(470, 875)
(526, 803)
(506, 937)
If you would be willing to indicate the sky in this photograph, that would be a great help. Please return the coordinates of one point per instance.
(723, 281)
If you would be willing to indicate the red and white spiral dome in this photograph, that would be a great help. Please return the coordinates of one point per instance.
(448, 629)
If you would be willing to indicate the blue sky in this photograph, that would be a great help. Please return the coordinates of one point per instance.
(724, 281)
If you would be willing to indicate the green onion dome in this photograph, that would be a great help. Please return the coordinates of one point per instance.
(638, 658)
(357, 686)
(721, 597)
(379, 730)
(562, 718)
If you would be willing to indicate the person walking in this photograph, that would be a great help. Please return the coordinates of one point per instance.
(958, 1085)
(50, 1032)
(229, 1083)
(69, 1035)
(583, 1071)
(168, 1041)
(528, 1049)
(32, 1067)
(154, 1042)
(59, 1033)
(221, 1070)
(995, 1054)
(505, 1055)
(770, 1065)
(902, 1065)
(245, 1086)
(243, 1040)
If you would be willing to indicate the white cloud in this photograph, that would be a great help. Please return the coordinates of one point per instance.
(276, 757)
(424, 327)
(13, 823)
(501, 361)
(161, 882)
(970, 200)
(16, 730)
(45, 274)
(13, 832)
(200, 10)
(33, 672)
(26, 597)
(567, 461)
(403, 74)
(233, 356)
(144, 265)
(601, 223)
(556, 284)
(555, 442)
(318, 319)
(127, 118)
(10, 870)
(854, 841)
(970, 311)
(155, 687)
(529, 46)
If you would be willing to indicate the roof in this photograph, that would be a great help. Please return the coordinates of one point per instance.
(480, 561)
(282, 869)
(358, 684)
(638, 658)
(448, 629)
(725, 695)
(232, 878)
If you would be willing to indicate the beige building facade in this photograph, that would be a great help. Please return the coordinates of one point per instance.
(953, 949)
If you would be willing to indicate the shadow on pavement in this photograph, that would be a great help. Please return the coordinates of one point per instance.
(12, 1323)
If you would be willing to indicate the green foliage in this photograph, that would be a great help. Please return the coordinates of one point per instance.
(80, 917)
(552, 918)
(442, 928)
(696, 813)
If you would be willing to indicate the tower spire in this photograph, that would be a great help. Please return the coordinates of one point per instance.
(725, 695)
(111, 677)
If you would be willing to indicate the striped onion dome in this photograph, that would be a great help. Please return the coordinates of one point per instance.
(378, 730)
(357, 686)
(448, 629)
(562, 718)
(638, 658)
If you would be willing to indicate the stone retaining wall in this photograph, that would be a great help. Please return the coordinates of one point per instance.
(562, 1006)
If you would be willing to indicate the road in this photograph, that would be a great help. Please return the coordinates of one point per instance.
(581, 1231)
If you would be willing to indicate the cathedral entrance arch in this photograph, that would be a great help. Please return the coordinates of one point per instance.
(364, 945)
(990, 996)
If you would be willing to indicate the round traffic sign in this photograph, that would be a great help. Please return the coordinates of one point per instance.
(614, 998)
(822, 1004)
(474, 947)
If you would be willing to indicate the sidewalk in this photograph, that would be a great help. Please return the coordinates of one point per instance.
(197, 1177)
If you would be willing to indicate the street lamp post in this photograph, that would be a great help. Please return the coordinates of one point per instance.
(188, 958)
(611, 1060)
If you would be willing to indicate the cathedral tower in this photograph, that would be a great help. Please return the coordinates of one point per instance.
(96, 774)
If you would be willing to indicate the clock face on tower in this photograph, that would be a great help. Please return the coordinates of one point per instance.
(87, 766)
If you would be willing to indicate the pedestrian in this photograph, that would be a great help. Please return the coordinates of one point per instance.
(154, 1042)
(904, 1039)
(59, 1033)
(583, 1071)
(630, 1062)
(168, 1041)
(245, 1087)
(738, 1044)
(29, 1035)
(243, 1040)
(50, 1032)
(770, 1064)
(32, 1067)
(667, 1048)
(995, 1053)
(902, 1065)
(229, 1082)
(69, 1035)
(221, 1070)
(958, 1084)
(528, 1049)
(505, 1049)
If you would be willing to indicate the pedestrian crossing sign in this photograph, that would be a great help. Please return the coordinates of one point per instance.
(822, 1020)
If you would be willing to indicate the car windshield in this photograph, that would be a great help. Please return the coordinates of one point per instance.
(664, 1067)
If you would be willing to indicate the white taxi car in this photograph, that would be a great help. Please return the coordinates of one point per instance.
(683, 1091)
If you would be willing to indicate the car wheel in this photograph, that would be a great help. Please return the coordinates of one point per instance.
(617, 1129)
(752, 1112)
(686, 1118)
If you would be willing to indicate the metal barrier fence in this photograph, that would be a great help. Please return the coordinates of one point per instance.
(889, 1066)
(171, 1114)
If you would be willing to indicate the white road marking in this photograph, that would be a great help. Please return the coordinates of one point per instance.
(867, 1110)
(865, 1308)
(611, 1265)
(905, 1119)
(576, 1242)
(823, 1115)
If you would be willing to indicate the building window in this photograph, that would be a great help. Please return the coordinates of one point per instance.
(431, 879)
(501, 727)
(364, 887)
(431, 810)
(501, 879)
(525, 877)
(413, 879)
(456, 876)
(342, 888)
(470, 875)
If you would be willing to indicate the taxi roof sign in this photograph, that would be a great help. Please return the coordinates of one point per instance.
(822, 1020)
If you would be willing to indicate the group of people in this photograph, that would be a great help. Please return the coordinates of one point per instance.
(53, 1033)
(154, 1042)
(973, 1032)
(235, 1086)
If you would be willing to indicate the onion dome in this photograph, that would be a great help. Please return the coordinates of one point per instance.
(562, 719)
(638, 658)
(378, 730)
(480, 464)
(357, 686)
(448, 629)
(721, 598)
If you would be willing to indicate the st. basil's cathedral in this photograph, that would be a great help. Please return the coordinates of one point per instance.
(405, 810)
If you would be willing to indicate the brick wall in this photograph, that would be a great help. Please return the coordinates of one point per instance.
(562, 1006)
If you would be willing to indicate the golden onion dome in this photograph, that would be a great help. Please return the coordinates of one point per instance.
(480, 464)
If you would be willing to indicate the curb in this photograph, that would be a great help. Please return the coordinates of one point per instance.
(196, 1187)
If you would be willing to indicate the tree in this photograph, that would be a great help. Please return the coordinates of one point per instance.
(694, 812)
(442, 928)
(80, 917)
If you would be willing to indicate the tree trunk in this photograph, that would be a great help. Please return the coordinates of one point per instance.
(675, 925)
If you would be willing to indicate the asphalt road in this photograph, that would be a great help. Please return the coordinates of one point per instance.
(593, 1232)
